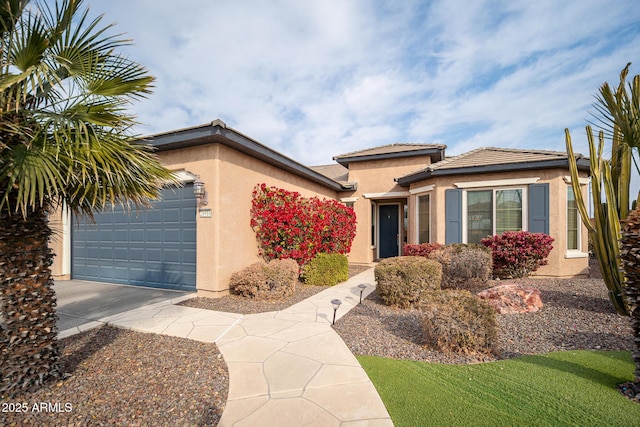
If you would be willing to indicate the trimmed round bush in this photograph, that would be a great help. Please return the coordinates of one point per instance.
(458, 321)
(464, 266)
(326, 270)
(274, 280)
(403, 281)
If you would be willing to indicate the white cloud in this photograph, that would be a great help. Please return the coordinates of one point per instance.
(317, 78)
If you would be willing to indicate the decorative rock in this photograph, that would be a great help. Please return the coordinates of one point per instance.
(511, 299)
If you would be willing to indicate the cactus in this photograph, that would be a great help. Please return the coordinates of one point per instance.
(605, 232)
(620, 122)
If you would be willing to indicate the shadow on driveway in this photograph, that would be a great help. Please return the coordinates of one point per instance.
(81, 302)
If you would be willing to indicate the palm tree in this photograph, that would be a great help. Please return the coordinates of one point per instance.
(65, 139)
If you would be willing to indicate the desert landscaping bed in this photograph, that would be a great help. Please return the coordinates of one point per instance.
(119, 377)
(577, 314)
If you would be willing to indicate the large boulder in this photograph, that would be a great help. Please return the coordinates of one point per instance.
(511, 299)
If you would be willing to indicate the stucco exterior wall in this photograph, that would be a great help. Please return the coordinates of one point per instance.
(59, 243)
(225, 242)
(376, 177)
(561, 263)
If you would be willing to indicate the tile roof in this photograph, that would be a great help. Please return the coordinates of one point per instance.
(391, 149)
(334, 171)
(487, 158)
(497, 156)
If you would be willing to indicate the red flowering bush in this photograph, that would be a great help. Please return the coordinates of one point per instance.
(288, 225)
(423, 249)
(517, 254)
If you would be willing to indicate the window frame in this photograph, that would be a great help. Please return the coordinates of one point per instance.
(374, 224)
(417, 232)
(578, 249)
(465, 217)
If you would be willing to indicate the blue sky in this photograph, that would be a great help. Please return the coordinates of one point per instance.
(313, 79)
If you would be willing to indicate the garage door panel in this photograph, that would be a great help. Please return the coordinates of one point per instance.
(136, 254)
(136, 236)
(151, 247)
(121, 236)
(121, 255)
(154, 235)
(189, 237)
(172, 215)
(189, 257)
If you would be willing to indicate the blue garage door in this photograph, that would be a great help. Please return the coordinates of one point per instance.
(151, 247)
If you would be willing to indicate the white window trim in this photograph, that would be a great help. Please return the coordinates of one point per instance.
(421, 190)
(497, 183)
(349, 199)
(573, 253)
(388, 195)
(582, 181)
(525, 209)
(417, 222)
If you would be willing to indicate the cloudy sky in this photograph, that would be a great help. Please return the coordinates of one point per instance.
(314, 79)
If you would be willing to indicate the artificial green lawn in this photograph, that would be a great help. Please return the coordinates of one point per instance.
(569, 388)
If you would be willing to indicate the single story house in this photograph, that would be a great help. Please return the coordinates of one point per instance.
(401, 193)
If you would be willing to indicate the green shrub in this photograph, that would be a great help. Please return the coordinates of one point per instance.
(464, 266)
(402, 281)
(458, 321)
(276, 279)
(326, 270)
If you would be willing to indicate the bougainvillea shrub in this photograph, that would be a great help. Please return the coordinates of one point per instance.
(422, 249)
(518, 253)
(288, 225)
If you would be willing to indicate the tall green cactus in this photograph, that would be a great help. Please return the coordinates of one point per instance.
(620, 117)
(605, 231)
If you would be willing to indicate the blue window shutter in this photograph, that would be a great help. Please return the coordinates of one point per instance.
(453, 214)
(539, 208)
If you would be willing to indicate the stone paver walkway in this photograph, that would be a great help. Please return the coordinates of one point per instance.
(286, 368)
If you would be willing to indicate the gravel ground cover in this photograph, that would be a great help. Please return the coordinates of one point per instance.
(577, 314)
(117, 377)
(120, 377)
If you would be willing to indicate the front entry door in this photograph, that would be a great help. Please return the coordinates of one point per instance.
(389, 217)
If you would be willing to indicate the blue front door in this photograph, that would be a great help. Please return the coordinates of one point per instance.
(389, 218)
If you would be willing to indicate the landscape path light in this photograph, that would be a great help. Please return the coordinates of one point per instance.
(362, 287)
(336, 304)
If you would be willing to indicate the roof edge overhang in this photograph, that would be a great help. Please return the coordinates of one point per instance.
(436, 155)
(405, 181)
(218, 132)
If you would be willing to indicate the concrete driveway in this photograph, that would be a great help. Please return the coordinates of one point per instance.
(81, 302)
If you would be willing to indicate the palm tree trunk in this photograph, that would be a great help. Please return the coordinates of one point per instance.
(29, 352)
(630, 254)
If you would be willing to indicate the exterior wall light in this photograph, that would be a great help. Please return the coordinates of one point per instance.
(362, 287)
(199, 191)
(336, 304)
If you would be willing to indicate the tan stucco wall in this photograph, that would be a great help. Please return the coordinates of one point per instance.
(376, 177)
(60, 229)
(225, 242)
(561, 263)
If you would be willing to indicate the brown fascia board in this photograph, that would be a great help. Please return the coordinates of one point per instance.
(405, 181)
(436, 154)
(218, 132)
